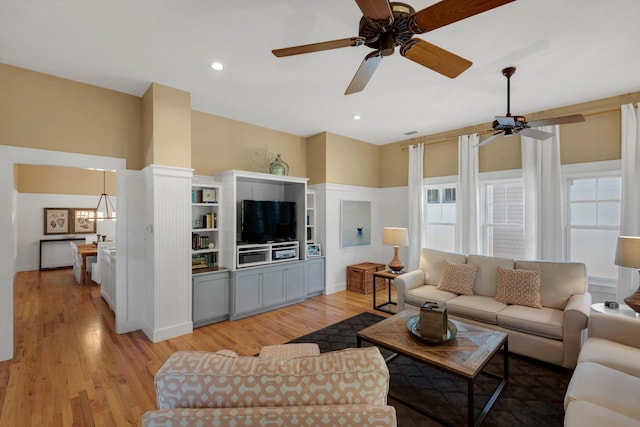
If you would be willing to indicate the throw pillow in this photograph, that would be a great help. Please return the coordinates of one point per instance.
(458, 278)
(520, 287)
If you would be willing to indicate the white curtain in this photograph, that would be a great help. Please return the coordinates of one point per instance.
(630, 203)
(543, 191)
(417, 228)
(467, 203)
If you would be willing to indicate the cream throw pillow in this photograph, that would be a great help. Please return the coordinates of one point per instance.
(457, 278)
(521, 287)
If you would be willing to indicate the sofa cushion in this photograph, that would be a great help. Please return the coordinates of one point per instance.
(323, 415)
(477, 307)
(417, 296)
(560, 280)
(457, 278)
(521, 287)
(487, 276)
(612, 354)
(606, 387)
(581, 413)
(546, 322)
(199, 379)
(431, 263)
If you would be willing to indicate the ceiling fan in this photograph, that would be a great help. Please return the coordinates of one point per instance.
(385, 25)
(517, 125)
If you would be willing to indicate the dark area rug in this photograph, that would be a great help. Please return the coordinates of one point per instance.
(533, 396)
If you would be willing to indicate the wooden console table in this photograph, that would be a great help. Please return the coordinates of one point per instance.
(63, 239)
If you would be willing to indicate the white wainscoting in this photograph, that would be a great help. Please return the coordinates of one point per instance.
(169, 283)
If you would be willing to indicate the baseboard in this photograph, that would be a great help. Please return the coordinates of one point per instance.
(335, 288)
(157, 335)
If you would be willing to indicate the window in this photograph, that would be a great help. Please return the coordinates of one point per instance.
(503, 230)
(441, 216)
(593, 224)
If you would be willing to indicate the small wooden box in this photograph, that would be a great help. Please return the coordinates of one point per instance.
(360, 276)
(433, 321)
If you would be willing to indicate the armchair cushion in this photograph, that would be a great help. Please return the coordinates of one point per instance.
(200, 380)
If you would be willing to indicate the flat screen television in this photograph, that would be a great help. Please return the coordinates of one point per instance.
(268, 221)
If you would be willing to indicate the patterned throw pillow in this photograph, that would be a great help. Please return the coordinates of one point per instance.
(521, 287)
(458, 278)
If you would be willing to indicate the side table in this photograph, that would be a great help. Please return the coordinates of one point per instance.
(384, 274)
(623, 310)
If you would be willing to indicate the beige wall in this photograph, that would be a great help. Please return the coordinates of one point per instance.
(352, 162)
(219, 144)
(50, 113)
(63, 180)
(317, 158)
(169, 141)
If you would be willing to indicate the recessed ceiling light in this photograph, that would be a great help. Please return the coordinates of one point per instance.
(356, 117)
(217, 66)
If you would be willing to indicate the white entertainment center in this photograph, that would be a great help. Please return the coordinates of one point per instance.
(251, 277)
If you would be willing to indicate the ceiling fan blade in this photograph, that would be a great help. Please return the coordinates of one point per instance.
(317, 47)
(488, 139)
(378, 10)
(506, 120)
(435, 58)
(449, 11)
(364, 73)
(576, 118)
(535, 134)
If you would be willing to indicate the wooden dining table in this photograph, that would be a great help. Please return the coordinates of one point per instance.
(86, 250)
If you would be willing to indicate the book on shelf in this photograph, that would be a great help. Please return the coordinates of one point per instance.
(196, 195)
(208, 261)
(199, 241)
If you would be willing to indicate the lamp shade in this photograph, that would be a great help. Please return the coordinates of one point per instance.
(628, 252)
(395, 236)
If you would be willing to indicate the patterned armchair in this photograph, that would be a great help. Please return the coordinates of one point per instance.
(282, 386)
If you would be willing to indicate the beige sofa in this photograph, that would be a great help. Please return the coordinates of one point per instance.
(552, 333)
(605, 386)
(281, 387)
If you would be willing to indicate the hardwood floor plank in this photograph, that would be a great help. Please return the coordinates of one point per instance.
(70, 367)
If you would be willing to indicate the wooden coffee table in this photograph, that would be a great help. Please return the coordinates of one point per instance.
(464, 356)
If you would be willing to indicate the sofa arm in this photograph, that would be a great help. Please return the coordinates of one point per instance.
(574, 324)
(407, 281)
(621, 329)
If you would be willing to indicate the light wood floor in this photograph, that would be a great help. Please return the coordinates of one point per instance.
(70, 368)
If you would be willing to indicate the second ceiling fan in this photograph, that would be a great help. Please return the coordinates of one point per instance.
(517, 125)
(385, 25)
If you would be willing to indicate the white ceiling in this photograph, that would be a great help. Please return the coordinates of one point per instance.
(566, 52)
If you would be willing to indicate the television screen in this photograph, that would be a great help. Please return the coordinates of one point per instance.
(268, 221)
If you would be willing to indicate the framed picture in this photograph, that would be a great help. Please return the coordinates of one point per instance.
(56, 221)
(83, 221)
(313, 250)
(355, 223)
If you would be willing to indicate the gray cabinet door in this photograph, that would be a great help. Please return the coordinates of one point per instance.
(273, 285)
(294, 280)
(314, 276)
(210, 298)
(247, 291)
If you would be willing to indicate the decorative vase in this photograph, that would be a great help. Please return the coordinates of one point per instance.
(278, 166)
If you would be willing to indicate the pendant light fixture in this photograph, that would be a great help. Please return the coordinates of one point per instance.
(107, 201)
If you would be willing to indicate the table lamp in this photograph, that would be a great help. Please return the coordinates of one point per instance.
(396, 237)
(628, 255)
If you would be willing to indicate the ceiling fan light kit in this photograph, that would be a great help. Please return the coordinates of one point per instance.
(386, 25)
